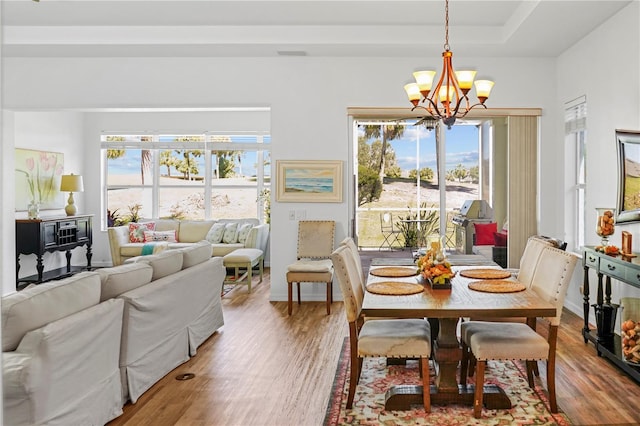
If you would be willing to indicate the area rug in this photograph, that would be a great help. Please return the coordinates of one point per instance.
(529, 405)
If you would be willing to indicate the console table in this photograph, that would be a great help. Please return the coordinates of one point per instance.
(37, 236)
(623, 269)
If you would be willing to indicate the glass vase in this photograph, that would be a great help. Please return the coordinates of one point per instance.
(33, 209)
(605, 226)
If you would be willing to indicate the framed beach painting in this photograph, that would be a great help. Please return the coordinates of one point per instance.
(38, 175)
(309, 181)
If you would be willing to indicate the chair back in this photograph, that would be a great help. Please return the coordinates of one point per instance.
(352, 290)
(553, 276)
(530, 258)
(353, 249)
(315, 239)
(386, 222)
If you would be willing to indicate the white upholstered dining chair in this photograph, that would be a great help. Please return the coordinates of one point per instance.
(486, 341)
(313, 263)
(391, 338)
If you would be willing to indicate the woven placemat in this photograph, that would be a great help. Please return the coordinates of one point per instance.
(394, 288)
(485, 274)
(394, 271)
(497, 286)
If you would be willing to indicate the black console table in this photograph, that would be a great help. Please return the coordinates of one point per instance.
(37, 236)
(623, 269)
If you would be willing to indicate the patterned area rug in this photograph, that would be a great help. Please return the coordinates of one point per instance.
(529, 406)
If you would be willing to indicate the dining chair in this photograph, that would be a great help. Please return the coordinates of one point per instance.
(484, 341)
(390, 234)
(353, 249)
(390, 338)
(313, 263)
(530, 258)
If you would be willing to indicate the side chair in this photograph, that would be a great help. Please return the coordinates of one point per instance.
(484, 341)
(391, 338)
(390, 234)
(313, 264)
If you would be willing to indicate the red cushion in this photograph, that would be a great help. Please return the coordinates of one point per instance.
(500, 238)
(484, 233)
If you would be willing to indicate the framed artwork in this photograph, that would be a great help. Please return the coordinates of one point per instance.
(38, 175)
(309, 181)
(628, 145)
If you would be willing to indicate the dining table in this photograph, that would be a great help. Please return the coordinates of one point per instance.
(449, 307)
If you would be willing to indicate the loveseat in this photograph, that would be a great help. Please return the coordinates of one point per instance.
(75, 350)
(225, 236)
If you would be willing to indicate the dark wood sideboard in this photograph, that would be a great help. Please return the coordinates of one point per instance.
(625, 270)
(51, 234)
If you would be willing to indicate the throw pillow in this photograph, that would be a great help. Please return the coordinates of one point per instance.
(230, 233)
(500, 238)
(152, 236)
(215, 233)
(484, 233)
(243, 232)
(136, 231)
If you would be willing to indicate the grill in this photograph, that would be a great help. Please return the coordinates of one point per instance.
(472, 211)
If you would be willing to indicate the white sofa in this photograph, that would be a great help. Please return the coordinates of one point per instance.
(60, 354)
(189, 232)
(75, 350)
(172, 305)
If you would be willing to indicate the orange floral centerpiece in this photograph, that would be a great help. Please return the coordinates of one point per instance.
(437, 272)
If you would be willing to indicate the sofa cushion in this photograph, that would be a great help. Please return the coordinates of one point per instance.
(35, 307)
(168, 236)
(196, 253)
(192, 231)
(120, 279)
(167, 224)
(243, 232)
(166, 263)
(215, 233)
(136, 231)
(222, 248)
(230, 233)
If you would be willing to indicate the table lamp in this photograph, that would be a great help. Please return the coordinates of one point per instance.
(71, 183)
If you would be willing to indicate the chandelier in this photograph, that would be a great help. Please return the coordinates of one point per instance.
(449, 99)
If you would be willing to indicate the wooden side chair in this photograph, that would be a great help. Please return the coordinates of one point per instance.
(391, 338)
(485, 340)
(313, 264)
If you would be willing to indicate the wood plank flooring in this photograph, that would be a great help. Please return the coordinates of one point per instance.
(266, 368)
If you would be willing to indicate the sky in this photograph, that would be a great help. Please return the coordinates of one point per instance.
(461, 147)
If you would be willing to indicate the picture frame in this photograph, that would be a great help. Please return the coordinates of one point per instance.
(37, 178)
(309, 181)
(628, 147)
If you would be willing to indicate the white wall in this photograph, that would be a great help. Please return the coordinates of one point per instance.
(45, 131)
(308, 98)
(604, 66)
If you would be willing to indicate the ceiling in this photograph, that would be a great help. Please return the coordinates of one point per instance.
(321, 28)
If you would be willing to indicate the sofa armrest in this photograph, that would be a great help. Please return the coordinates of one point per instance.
(118, 236)
(258, 237)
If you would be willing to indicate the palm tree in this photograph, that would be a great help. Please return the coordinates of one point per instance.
(387, 132)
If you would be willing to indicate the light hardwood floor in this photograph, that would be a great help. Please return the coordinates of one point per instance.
(266, 368)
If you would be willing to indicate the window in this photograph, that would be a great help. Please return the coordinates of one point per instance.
(576, 146)
(185, 176)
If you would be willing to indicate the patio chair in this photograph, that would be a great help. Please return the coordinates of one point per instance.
(390, 234)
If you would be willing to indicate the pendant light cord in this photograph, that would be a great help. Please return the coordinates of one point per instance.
(446, 25)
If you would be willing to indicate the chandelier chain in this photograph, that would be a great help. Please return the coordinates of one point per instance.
(446, 25)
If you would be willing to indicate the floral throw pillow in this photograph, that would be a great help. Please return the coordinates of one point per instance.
(243, 232)
(215, 233)
(230, 233)
(152, 236)
(136, 231)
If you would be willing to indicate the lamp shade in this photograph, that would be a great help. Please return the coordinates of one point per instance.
(71, 183)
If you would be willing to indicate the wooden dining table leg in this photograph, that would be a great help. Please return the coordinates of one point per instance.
(447, 353)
